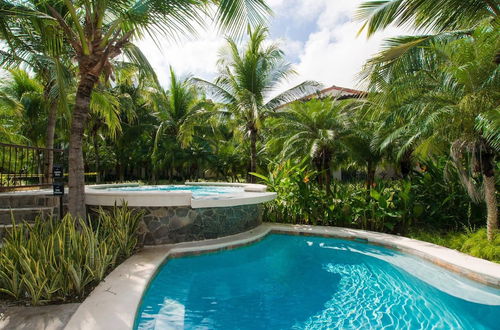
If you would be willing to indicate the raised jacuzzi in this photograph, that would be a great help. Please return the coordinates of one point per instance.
(189, 212)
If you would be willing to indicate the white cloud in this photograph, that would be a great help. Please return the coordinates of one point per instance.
(292, 48)
(189, 55)
(334, 54)
(331, 54)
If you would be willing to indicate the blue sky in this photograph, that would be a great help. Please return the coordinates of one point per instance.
(318, 36)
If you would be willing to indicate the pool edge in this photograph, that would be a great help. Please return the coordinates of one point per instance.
(114, 302)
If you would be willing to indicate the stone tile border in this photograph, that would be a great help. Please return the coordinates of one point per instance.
(114, 302)
(176, 224)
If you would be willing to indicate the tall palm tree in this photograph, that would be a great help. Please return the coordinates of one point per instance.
(24, 47)
(316, 130)
(133, 146)
(100, 30)
(180, 111)
(104, 120)
(359, 141)
(248, 78)
(452, 100)
(24, 95)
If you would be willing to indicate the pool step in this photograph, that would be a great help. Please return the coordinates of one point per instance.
(28, 214)
(24, 200)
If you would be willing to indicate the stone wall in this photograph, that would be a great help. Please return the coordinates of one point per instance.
(165, 225)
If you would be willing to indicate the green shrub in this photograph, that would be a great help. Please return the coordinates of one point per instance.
(446, 205)
(60, 261)
(471, 242)
(430, 199)
(389, 206)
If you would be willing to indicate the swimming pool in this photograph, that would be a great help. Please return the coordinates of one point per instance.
(299, 282)
(194, 211)
(197, 191)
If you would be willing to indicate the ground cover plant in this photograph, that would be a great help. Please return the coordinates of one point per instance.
(468, 240)
(55, 261)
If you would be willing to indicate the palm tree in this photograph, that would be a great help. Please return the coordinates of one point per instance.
(450, 97)
(316, 130)
(359, 141)
(247, 80)
(23, 96)
(180, 111)
(442, 19)
(133, 146)
(99, 31)
(26, 48)
(104, 119)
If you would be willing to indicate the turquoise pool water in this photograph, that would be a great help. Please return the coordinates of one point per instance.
(299, 282)
(198, 191)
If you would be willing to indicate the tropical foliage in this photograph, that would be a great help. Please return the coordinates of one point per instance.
(54, 261)
(94, 33)
(393, 206)
(470, 241)
(418, 150)
(246, 83)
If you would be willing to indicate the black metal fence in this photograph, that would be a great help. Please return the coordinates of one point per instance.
(25, 166)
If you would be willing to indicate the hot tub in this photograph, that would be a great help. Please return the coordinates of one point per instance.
(189, 212)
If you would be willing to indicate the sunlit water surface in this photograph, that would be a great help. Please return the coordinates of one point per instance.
(198, 191)
(299, 282)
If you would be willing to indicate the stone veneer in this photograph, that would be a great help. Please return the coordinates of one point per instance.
(166, 225)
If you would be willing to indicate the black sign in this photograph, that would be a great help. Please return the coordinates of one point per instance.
(57, 171)
(58, 188)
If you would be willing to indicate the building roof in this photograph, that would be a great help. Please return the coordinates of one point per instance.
(335, 92)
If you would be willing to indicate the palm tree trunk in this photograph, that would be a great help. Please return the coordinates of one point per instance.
(370, 175)
(405, 164)
(326, 167)
(491, 206)
(76, 182)
(49, 141)
(318, 163)
(488, 171)
(97, 159)
(253, 155)
(328, 180)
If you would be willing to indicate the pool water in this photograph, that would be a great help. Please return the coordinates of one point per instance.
(300, 282)
(198, 191)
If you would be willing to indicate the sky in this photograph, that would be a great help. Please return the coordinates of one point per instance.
(318, 36)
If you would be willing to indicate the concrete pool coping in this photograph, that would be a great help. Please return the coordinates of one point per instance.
(114, 302)
(95, 195)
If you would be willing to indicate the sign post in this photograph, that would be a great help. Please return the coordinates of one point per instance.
(58, 186)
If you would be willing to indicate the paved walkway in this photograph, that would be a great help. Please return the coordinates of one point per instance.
(52, 317)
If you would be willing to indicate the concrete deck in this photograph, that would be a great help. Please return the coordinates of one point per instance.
(113, 304)
(52, 317)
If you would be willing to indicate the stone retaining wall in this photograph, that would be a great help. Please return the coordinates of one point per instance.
(166, 225)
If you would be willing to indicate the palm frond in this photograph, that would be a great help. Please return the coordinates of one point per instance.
(293, 94)
(426, 14)
(235, 15)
